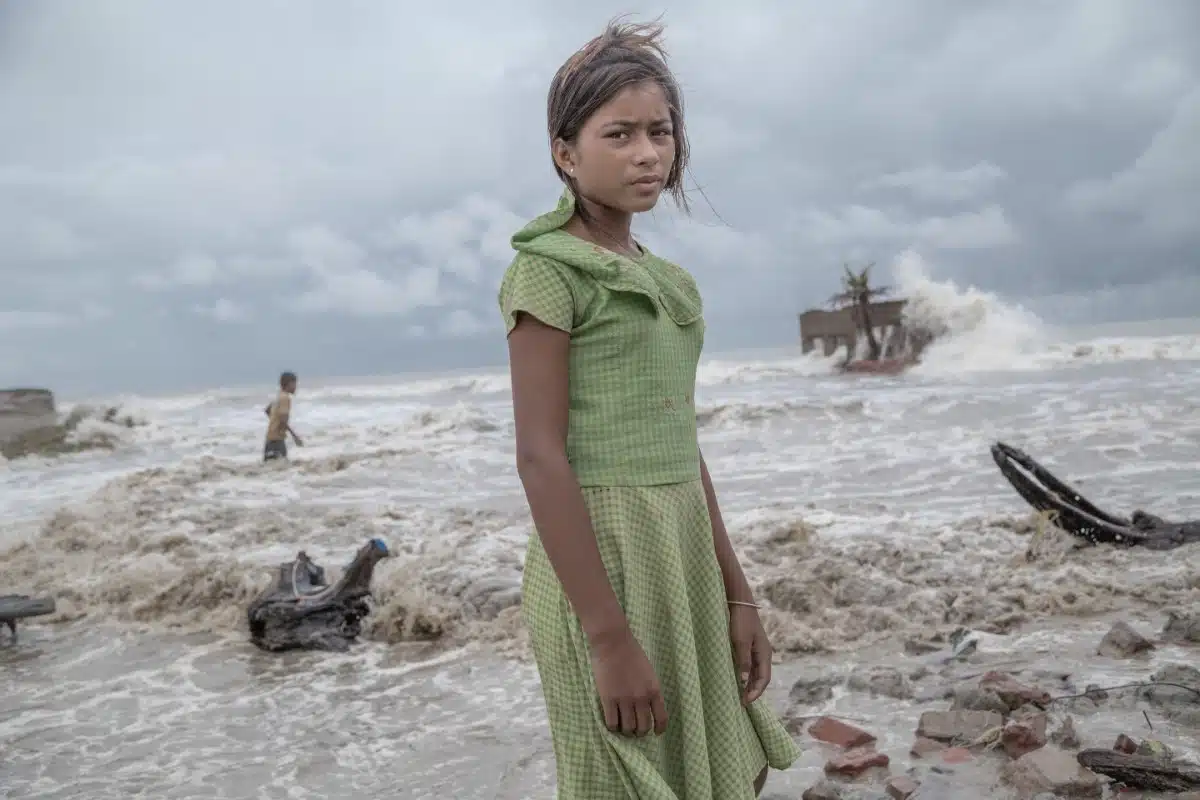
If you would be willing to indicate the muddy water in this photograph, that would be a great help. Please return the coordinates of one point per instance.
(867, 512)
(125, 714)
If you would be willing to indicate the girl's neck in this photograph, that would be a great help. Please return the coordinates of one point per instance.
(605, 226)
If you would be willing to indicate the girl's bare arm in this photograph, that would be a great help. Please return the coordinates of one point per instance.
(538, 359)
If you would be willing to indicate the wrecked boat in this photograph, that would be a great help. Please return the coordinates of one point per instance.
(1073, 513)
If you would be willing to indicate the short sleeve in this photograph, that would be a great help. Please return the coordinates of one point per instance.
(538, 287)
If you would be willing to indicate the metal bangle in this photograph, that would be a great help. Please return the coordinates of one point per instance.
(743, 603)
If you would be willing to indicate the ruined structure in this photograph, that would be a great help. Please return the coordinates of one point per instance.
(834, 329)
(25, 414)
(30, 425)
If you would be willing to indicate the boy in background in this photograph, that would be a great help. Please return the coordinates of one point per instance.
(277, 420)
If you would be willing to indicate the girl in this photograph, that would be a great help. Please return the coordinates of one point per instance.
(641, 619)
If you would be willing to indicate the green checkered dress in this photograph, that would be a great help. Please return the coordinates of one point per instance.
(636, 334)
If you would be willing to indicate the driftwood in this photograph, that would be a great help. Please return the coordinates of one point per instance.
(1142, 772)
(301, 611)
(1075, 514)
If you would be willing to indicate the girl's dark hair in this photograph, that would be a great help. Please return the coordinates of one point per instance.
(625, 54)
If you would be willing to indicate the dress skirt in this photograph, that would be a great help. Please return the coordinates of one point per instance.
(657, 547)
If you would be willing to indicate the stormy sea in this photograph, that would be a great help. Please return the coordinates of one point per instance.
(867, 510)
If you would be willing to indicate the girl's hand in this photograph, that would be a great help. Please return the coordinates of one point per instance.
(751, 651)
(629, 690)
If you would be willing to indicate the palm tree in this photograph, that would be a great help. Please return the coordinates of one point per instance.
(857, 294)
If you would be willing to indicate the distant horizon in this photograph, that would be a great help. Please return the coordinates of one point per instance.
(1132, 328)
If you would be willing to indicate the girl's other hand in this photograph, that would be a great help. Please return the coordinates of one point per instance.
(751, 652)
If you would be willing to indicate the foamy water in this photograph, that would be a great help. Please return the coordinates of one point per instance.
(866, 510)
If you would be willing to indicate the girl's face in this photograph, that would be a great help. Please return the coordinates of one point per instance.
(624, 152)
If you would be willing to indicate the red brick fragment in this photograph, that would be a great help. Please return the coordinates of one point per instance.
(1014, 693)
(1124, 744)
(834, 731)
(855, 762)
(923, 747)
(901, 787)
(1024, 735)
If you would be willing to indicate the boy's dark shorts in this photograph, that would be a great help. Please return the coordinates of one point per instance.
(274, 450)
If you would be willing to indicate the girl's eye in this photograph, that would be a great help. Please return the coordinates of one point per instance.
(619, 135)
(662, 133)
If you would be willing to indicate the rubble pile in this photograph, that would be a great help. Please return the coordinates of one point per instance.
(1002, 734)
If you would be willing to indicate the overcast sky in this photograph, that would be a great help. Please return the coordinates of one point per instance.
(206, 193)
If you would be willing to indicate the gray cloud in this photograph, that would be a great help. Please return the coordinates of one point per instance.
(199, 194)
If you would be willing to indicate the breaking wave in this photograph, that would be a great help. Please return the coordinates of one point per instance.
(158, 548)
(979, 331)
(82, 428)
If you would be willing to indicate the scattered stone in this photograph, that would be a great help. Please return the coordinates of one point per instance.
(813, 687)
(1095, 693)
(886, 681)
(901, 787)
(1122, 641)
(844, 735)
(963, 726)
(1024, 735)
(1066, 736)
(972, 698)
(1014, 693)
(1182, 628)
(1053, 770)
(855, 762)
(923, 747)
(1125, 745)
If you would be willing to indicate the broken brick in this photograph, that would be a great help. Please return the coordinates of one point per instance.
(1012, 691)
(1024, 735)
(834, 731)
(1125, 745)
(923, 747)
(856, 762)
(901, 787)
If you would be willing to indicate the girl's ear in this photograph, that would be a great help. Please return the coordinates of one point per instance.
(564, 156)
